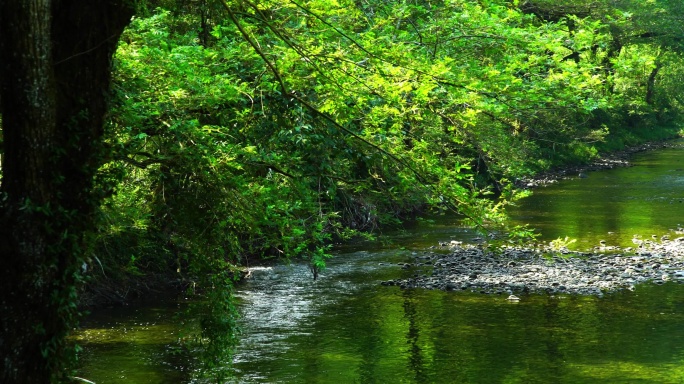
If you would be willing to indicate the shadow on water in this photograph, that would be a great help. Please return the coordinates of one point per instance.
(346, 328)
(136, 344)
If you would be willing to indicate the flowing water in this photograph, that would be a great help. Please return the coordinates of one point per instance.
(615, 205)
(346, 328)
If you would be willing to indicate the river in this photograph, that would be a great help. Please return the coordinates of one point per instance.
(347, 328)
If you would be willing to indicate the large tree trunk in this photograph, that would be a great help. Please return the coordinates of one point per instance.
(55, 62)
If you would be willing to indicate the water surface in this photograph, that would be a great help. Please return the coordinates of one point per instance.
(614, 205)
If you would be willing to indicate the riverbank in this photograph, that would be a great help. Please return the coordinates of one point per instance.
(109, 290)
(543, 270)
(605, 161)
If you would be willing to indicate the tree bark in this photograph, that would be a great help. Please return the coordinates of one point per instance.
(55, 64)
(650, 85)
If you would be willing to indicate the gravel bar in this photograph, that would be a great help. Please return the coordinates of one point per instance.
(540, 269)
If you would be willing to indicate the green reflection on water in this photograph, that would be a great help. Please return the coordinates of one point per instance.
(133, 345)
(387, 335)
(613, 205)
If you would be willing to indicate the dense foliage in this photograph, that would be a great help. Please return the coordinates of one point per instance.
(242, 130)
(271, 129)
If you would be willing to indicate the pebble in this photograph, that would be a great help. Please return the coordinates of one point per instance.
(538, 269)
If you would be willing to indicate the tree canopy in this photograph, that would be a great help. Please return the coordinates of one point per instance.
(238, 131)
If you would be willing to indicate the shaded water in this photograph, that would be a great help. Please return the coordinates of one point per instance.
(133, 345)
(346, 328)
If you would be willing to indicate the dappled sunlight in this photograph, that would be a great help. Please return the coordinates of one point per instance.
(625, 371)
(142, 333)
